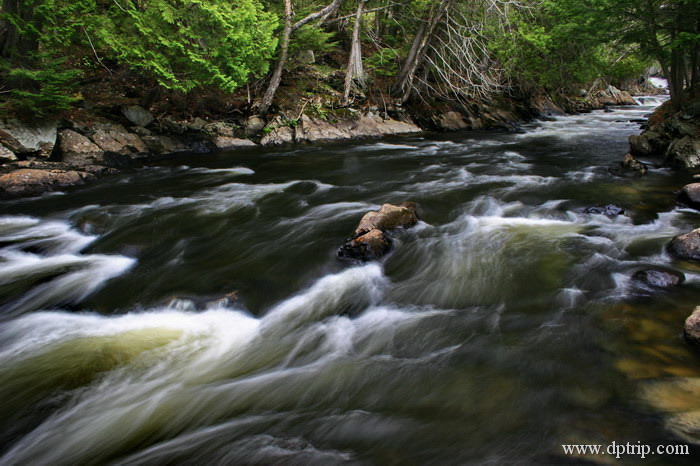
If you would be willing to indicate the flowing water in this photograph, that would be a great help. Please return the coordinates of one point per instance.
(501, 326)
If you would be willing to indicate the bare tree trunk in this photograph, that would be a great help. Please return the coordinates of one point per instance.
(355, 70)
(13, 45)
(281, 61)
(289, 28)
(420, 43)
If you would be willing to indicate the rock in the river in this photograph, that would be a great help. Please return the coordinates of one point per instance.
(370, 241)
(28, 182)
(137, 115)
(76, 149)
(389, 216)
(611, 210)
(684, 153)
(6, 155)
(658, 278)
(365, 247)
(691, 330)
(690, 195)
(629, 167)
(686, 246)
(36, 139)
(227, 143)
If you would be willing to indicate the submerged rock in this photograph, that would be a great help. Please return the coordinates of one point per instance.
(658, 278)
(370, 241)
(691, 330)
(611, 210)
(629, 167)
(690, 195)
(686, 246)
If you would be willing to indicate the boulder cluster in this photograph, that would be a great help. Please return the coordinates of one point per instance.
(371, 239)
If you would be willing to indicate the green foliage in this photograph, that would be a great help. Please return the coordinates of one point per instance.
(383, 62)
(188, 43)
(311, 37)
(44, 90)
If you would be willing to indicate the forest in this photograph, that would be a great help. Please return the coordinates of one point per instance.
(242, 51)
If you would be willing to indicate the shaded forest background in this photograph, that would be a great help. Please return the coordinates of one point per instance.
(219, 56)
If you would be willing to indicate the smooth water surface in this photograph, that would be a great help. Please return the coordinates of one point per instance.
(501, 326)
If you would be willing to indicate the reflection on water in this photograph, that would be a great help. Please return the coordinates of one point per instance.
(501, 326)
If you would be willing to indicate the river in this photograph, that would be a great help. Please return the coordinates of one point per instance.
(195, 312)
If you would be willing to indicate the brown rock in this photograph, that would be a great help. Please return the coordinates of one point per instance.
(366, 247)
(388, 217)
(76, 149)
(687, 246)
(27, 182)
(629, 167)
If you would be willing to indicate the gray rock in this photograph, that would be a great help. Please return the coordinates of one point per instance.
(311, 129)
(164, 144)
(254, 125)
(38, 138)
(277, 136)
(220, 128)
(658, 278)
(137, 115)
(197, 125)
(691, 330)
(76, 149)
(684, 153)
(141, 131)
(307, 57)
(228, 143)
(6, 155)
(690, 195)
(640, 146)
(115, 139)
(686, 246)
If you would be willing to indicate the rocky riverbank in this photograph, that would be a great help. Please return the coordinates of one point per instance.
(52, 154)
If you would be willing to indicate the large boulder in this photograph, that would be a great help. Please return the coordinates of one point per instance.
(691, 329)
(36, 138)
(137, 115)
(373, 125)
(370, 241)
(229, 143)
(76, 149)
(115, 139)
(6, 155)
(29, 182)
(690, 195)
(389, 216)
(658, 278)
(686, 246)
(684, 153)
(313, 129)
(453, 121)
